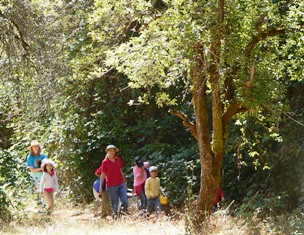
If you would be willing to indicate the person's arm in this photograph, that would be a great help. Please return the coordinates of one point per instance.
(42, 181)
(124, 178)
(158, 187)
(56, 183)
(98, 171)
(32, 169)
(148, 191)
(142, 173)
(102, 177)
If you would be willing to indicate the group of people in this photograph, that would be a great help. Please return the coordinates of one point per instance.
(146, 185)
(109, 187)
(43, 174)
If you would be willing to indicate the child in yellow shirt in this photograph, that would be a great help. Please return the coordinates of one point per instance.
(152, 189)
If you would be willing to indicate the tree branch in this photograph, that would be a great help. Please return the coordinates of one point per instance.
(20, 36)
(232, 110)
(260, 37)
(186, 122)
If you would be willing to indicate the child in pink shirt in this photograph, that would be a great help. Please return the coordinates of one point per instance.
(49, 183)
(140, 176)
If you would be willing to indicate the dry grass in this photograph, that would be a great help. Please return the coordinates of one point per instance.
(68, 220)
(79, 226)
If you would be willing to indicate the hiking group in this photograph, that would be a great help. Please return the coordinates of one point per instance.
(110, 188)
(146, 185)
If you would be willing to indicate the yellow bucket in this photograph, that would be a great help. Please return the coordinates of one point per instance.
(163, 200)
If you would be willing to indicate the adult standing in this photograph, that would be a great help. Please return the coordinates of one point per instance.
(116, 183)
(33, 162)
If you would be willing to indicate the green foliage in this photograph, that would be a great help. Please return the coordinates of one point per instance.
(91, 70)
(180, 173)
(270, 181)
(13, 184)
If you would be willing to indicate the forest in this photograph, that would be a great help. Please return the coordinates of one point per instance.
(210, 92)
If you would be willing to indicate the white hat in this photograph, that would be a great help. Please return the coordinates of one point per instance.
(111, 146)
(35, 143)
(47, 161)
(152, 168)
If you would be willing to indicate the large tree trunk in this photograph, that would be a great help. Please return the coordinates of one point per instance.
(211, 161)
(211, 149)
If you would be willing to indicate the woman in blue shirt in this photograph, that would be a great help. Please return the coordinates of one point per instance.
(33, 162)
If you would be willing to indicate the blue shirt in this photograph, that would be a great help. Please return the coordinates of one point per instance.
(97, 184)
(31, 161)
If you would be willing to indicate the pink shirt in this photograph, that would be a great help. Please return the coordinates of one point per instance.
(137, 179)
(112, 171)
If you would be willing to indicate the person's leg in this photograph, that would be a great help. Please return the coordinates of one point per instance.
(144, 196)
(113, 194)
(157, 205)
(150, 205)
(142, 200)
(122, 192)
(48, 197)
(36, 188)
(52, 201)
(215, 208)
(96, 195)
(105, 204)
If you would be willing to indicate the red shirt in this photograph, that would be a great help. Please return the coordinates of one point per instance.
(112, 171)
(99, 170)
(219, 196)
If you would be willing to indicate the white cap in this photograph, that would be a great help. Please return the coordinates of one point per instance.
(152, 168)
(47, 161)
(111, 146)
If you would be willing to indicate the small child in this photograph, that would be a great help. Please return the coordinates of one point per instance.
(49, 184)
(152, 189)
(140, 176)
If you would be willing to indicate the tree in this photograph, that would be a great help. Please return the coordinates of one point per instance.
(234, 57)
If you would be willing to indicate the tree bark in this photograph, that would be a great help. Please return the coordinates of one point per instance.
(211, 148)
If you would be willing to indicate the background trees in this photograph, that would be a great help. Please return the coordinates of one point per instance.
(232, 55)
(80, 75)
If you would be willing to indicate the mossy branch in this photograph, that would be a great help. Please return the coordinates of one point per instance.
(186, 122)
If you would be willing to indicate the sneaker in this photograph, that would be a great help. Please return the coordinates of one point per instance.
(114, 217)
